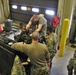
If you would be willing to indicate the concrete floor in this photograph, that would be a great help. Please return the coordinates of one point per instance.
(59, 64)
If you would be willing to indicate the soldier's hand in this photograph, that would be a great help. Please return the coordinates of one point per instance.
(49, 65)
(30, 34)
(27, 27)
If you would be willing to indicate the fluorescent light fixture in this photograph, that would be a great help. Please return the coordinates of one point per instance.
(14, 6)
(23, 8)
(35, 9)
(50, 12)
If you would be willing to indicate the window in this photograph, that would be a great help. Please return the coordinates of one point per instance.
(35, 9)
(14, 6)
(49, 12)
(23, 8)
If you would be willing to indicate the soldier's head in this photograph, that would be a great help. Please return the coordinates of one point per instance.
(49, 29)
(35, 18)
(35, 35)
(21, 26)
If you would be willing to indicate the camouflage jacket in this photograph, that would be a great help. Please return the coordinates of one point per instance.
(51, 42)
(72, 65)
(17, 68)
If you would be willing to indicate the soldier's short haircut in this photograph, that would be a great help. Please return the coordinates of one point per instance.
(50, 28)
(35, 35)
(21, 25)
(35, 16)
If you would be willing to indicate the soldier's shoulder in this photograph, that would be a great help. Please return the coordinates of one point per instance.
(72, 59)
(42, 44)
(54, 34)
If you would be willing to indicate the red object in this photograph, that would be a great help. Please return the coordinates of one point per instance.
(1, 28)
(55, 21)
(58, 47)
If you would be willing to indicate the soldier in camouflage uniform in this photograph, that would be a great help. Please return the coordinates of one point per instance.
(37, 23)
(72, 65)
(38, 54)
(17, 68)
(51, 42)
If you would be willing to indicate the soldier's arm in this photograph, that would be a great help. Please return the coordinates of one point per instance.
(47, 55)
(39, 27)
(19, 47)
(55, 40)
(29, 24)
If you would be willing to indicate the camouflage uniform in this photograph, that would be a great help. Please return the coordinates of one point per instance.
(72, 65)
(38, 54)
(17, 69)
(51, 42)
(40, 71)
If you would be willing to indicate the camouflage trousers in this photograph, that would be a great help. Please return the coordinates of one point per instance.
(52, 54)
(18, 68)
(40, 71)
(71, 66)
